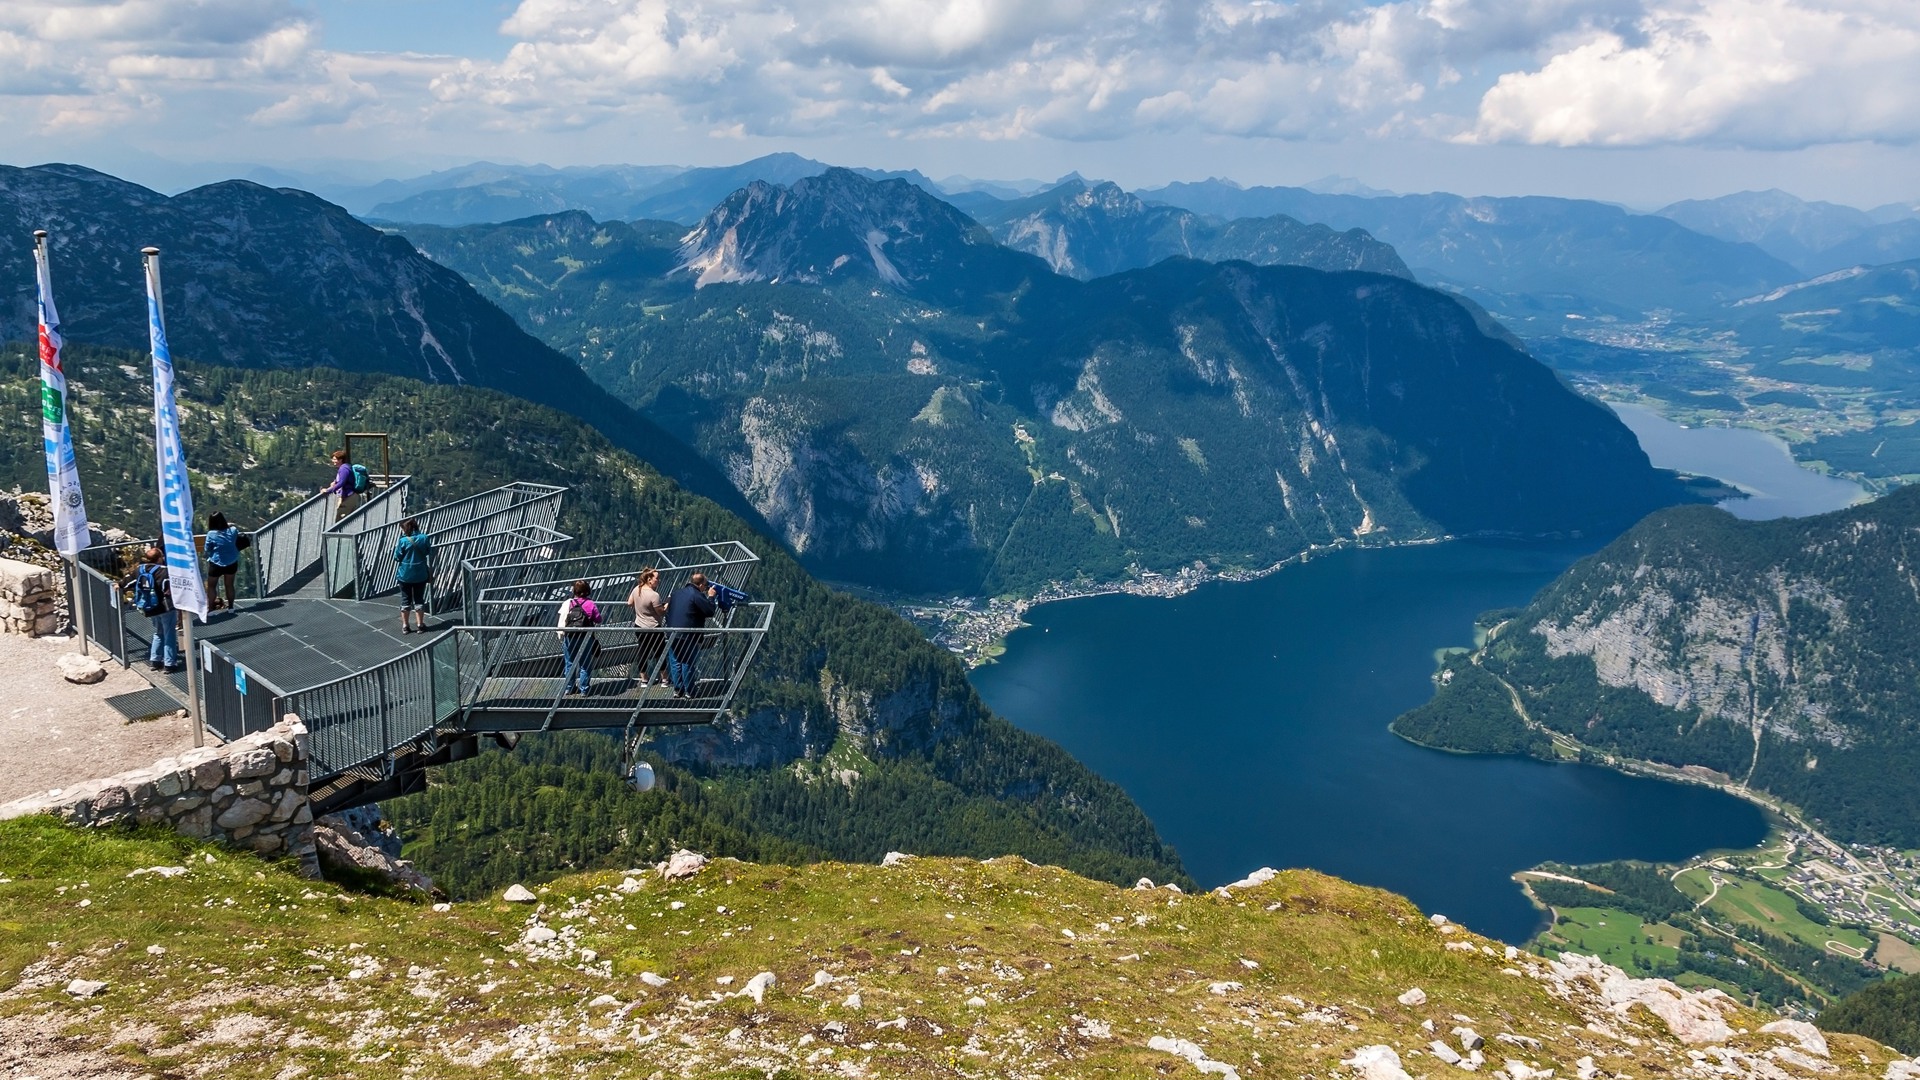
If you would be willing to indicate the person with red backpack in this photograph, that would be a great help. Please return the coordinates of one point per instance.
(152, 593)
(578, 614)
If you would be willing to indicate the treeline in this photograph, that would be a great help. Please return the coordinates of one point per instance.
(1472, 712)
(1888, 1010)
(258, 442)
(1640, 890)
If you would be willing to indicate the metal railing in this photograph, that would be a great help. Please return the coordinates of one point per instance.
(360, 563)
(349, 539)
(289, 548)
(365, 716)
(94, 598)
(529, 544)
(494, 587)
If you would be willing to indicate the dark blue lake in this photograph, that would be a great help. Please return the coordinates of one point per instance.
(1250, 722)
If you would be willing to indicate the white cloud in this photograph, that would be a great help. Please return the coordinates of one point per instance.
(1765, 73)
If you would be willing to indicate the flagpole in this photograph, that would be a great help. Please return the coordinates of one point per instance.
(176, 513)
(71, 530)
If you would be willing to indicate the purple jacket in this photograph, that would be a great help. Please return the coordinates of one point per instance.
(342, 482)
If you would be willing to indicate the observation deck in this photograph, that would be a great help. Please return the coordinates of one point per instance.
(319, 636)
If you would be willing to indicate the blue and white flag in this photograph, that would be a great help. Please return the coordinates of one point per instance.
(176, 497)
(70, 527)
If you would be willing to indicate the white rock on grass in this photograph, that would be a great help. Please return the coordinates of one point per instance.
(757, 987)
(1809, 1037)
(629, 885)
(1586, 1069)
(518, 894)
(1469, 1038)
(653, 980)
(1444, 1052)
(159, 871)
(539, 935)
(1143, 884)
(1197, 1057)
(1520, 1070)
(683, 864)
(1413, 998)
(852, 1002)
(1903, 1070)
(1376, 1063)
(1224, 988)
(896, 858)
(86, 988)
(1257, 878)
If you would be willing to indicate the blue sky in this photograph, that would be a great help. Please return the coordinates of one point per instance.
(1635, 101)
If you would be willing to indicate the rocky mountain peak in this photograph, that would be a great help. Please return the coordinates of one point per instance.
(838, 225)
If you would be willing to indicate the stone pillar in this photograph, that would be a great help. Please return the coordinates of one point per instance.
(29, 599)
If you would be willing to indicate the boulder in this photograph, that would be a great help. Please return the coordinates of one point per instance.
(1809, 1037)
(1376, 1063)
(84, 670)
(683, 864)
(896, 858)
(1444, 1052)
(518, 894)
(757, 987)
(1413, 998)
(86, 988)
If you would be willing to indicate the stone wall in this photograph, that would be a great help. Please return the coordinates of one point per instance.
(250, 793)
(29, 599)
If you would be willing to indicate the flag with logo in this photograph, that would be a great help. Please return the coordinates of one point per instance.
(176, 497)
(70, 527)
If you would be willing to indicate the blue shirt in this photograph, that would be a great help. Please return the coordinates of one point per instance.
(223, 546)
(414, 558)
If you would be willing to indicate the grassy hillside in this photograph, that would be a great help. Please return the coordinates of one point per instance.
(933, 769)
(935, 968)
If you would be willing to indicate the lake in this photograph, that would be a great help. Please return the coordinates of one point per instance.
(1755, 462)
(1249, 721)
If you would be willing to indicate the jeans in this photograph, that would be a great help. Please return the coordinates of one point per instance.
(165, 648)
(681, 654)
(579, 650)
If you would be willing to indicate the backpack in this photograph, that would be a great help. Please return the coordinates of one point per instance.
(361, 481)
(242, 540)
(578, 615)
(146, 591)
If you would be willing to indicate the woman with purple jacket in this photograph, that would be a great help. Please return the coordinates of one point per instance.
(342, 484)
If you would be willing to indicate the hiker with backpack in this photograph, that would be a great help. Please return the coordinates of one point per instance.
(152, 594)
(350, 482)
(413, 568)
(578, 614)
(225, 542)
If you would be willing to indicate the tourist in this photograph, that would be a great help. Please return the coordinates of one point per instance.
(348, 483)
(413, 568)
(647, 609)
(153, 595)
(578, 616)
(223, 560)
(688, 610)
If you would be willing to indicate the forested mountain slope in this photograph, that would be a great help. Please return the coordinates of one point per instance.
(853, 734)
(1778, 653)
(264, 278)
(912, 405)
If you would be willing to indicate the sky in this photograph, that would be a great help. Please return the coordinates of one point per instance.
(1640, 102)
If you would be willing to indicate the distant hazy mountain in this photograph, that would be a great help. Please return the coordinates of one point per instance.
(914, 406)
(1850, 328)
(264, 278)
(1788, 228)
(1895, 241)
(1090, 231)
(502, 194)
(1528, 259)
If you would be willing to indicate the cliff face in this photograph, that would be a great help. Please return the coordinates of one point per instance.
(1778, 653)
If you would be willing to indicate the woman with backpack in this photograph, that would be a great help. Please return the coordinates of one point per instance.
(578, 614)
(350, 481)
(153, 595)
(413, 568)
(224, 543)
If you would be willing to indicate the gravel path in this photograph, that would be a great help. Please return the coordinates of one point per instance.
(53, 732)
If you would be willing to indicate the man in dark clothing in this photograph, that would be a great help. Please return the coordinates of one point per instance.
(688, 610)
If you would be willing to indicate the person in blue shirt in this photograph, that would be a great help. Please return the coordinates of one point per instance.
(413, 567)
(223, 560)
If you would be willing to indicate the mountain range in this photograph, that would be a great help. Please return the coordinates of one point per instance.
(915, 406)
(1816, 237)
(1776, 654)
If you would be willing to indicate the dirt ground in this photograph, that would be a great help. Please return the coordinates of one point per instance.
(53, 732)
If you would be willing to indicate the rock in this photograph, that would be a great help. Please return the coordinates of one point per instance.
(518, 894)
(1444, 1052)
(757, 987)
(602, 1001)
(1143, 885)
(1809, 1037)
(255, 763)
(1258, 877)
(683, 864)
(84, 670)
(648, 977)
(244, 811)
(539, 935)
(1376, 1063)
(1692, 1016)
(1469, 1038)
(443, 907)
(1902, 1070)
(86, 988)
(1460, 946)
(821, 978)
(976, 1002)
(1198, 1058)
(162, 871)
(1527, 1042)
(629, 884)
(1586, 1069)
(156, 950)
(1224, 988)
(853, 1001)
(1437, 920)
(896, 858)
(1413, 998)
(1520, 1070)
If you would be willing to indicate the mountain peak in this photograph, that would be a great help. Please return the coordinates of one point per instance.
(838, 225)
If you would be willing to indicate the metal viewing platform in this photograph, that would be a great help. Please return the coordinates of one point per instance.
(320, 636)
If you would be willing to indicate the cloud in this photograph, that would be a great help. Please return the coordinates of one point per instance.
(1755, 73)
